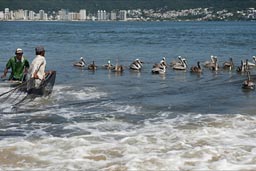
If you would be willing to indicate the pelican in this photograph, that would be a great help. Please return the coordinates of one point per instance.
(209, 64)
(248, 84)
(80, 63)
(182, 65)
(159, 68)
(242, 67)
(196, 69)
(214, 66)
(136, 65)
(252, 64)
(118, 68)
(92, 66)
(228, 64)
(177, 62)
(108, 66)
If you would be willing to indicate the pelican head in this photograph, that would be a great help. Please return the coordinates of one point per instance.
(81, 58)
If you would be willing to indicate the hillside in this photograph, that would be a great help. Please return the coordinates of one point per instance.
(93, 5)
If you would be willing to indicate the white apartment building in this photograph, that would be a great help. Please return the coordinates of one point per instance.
(123, 15)
(42, 15)
(112, 15)
(31, 15)
(82, 14)
(7, 14)
(19, 14)
(102, 15)
(1, 15)
(63, 14)
(73, 16)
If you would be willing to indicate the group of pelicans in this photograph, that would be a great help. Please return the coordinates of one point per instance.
(180, 64)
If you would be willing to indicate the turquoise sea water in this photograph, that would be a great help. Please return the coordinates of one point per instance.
(103, 120)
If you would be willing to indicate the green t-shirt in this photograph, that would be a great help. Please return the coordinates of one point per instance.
(17, 67)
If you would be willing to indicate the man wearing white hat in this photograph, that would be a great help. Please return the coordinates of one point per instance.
(19, 66)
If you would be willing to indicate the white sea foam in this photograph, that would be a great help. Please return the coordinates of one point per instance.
(189, 142)
(84, 93)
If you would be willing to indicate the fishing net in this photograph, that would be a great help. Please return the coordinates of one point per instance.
(24, 93)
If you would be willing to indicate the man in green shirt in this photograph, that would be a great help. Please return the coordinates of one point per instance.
(19, 66)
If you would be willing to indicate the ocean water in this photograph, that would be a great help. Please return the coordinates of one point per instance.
(109, 121)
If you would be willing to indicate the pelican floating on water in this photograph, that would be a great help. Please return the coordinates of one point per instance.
(182, 65)
(118, 68)
(136, 65)
(159, 68)
(248, 84)
(242, 68)
(253, 63)
(214, 66)
(211, 63)
(176, 62)
(228, 64)
(196, 69)
(108, 66)
(92, 66)
(80, 63)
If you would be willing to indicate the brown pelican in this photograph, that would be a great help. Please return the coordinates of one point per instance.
(253, 63)
(214, 66)
(182, 65)
(108, 66)
(242, 68)
(196, 69)
(159, 68)
(175, 62)
(92, 66)
(136, 65)
(80, 63)
(228, 64)
(248, 84)
(118, 68)
(211, 63)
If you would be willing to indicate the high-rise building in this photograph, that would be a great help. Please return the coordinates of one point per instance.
(31, 15)
(102, 15)
(73, 16)
(63, 14)
(82, 14)
(123, 15)
(19, 14)
(41, 15)
(98, 15)
(1, 15)
(25, 14)
(112, 15)
(7, 14)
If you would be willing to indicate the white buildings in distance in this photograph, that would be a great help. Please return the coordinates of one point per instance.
(61, 15)
(198, 14)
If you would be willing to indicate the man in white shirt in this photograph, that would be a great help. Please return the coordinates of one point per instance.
(37, 68)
